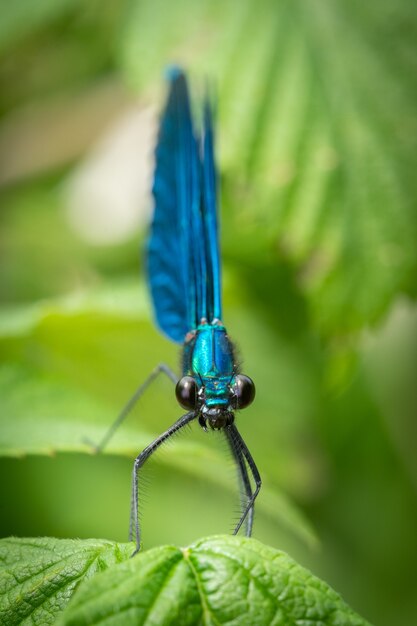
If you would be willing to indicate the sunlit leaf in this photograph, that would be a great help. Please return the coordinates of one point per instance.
(214, 581)
(38, 576)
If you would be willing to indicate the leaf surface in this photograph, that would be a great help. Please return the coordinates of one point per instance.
(38, 576)
(218, 580)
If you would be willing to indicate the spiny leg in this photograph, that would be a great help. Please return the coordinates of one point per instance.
(139, 462)
(161, 368)
(244, 478)
(241, 445)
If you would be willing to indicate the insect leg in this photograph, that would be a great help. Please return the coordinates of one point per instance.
(243, 475)
(161, 368)
(139, 461)
(255, 473)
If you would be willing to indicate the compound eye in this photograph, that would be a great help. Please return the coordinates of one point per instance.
(186, 392)
(243, 391)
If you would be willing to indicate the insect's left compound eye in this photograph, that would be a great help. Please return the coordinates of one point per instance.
(243, 391)
(186, 392)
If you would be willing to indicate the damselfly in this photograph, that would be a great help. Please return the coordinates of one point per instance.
(183, 264)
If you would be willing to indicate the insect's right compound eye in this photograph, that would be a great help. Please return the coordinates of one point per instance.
(187, 392)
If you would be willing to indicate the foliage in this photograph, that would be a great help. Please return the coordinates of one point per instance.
(214, 581)
(39, 576)
(323, 170)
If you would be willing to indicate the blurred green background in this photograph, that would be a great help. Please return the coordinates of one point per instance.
(317, 153)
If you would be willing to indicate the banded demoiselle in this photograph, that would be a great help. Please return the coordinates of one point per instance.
(184, 274)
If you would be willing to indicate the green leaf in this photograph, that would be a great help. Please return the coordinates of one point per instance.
(38, 576)
(317, 136)
(217, 580)
(220, 580)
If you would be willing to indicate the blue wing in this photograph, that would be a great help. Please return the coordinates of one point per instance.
(209, 206)
(183, 258)
(176, 191)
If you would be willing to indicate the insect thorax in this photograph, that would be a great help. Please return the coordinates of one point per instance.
(209, 357)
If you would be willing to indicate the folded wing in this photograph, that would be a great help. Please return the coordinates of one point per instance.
(183, 257)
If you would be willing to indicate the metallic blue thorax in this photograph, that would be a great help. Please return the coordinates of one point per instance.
(209, 358)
